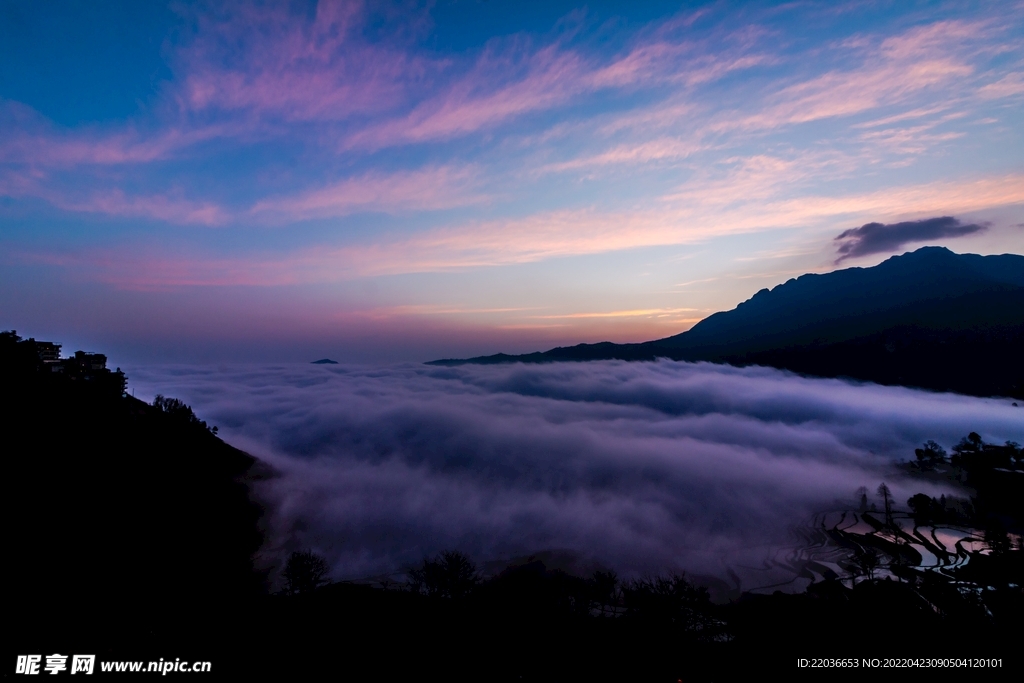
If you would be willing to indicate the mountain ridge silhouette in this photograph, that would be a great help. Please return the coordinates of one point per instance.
(929, 318)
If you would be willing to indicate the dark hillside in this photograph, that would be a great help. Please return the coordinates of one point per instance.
(120, 513)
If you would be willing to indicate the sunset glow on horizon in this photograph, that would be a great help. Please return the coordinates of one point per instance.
(387, 182)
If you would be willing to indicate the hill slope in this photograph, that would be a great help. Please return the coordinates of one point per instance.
(129, 523)
(929, 318)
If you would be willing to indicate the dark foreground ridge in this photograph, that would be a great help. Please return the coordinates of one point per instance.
(930, 318)
(131, 532)
(117, 512)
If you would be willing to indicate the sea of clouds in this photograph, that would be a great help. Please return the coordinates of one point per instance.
(644, 468)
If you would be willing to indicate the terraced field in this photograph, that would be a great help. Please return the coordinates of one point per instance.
(833, 544)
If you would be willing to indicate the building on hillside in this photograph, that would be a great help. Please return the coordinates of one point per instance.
(48, 351)
(89, 361)
(84, 369)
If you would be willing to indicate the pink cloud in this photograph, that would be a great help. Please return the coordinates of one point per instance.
(473, 102)
(256, 65)
(270, 61)
(274, 63)
(673, 62)
(757, 197)
(892, 72)
(145, 268)
(660, 149)
(641, 63)
(901, 65)
(909, 139)
(163, 207)
(430, 188)
(32, 140)
(715, 209)
(158, 207)
(62, 150)
(427, 189)
(551, 77)
(1007, 86)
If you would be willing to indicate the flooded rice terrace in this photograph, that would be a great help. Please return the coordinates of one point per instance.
(745, 477)
(833, 545)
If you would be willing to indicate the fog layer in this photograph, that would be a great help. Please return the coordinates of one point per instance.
(640, 467)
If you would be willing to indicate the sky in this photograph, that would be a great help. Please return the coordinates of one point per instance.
(644, 468)
(404, 181)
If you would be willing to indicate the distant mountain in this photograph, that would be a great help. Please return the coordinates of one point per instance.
(325, 361)
(929, 318)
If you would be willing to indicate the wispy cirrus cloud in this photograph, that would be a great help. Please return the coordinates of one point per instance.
(154, 207)
(1007, 86)
(660, 149)
(539, 80)
(919, 59)
(170, 207)
(427, 189)
(32, 141)
(424, 189)
(702, 213)
(897, 71)
(886, 74)
(910, 139)
(332, 145)
(250, 74)
(554, 79)
(62, 150)
(542, 79)
(542, 236)
(142, 267)
(271, 61)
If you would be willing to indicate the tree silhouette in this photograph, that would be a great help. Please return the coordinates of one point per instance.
(886, 495)
(968, 446)
(180, 411)
(605, 589)
(925, 509)
(671, 601)
(930, 455)
(862, 497)
(449, 575)
(899, 559)
(867, 561)
(305, 571)
(997, 540)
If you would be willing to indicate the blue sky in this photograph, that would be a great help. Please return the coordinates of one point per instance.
(401, 181)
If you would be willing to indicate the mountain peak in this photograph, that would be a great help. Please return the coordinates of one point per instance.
(930, 318)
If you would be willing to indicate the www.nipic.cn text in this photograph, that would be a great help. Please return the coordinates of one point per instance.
(32, 665)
